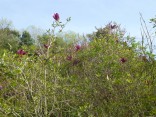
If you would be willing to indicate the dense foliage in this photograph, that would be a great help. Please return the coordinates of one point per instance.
(109, 75)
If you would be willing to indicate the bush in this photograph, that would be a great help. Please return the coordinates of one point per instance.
(103, 77)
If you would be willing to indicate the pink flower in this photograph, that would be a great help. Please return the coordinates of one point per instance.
(56, 16)
(69, 58)
(77, 47)
(46, 46)
(123, 60)
(21, 52)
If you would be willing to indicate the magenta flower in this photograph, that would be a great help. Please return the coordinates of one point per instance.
(21, 52)
(46, 46)
(113, 26)
(69, 58)
(56, 16)
(123, 60)
(77, 47)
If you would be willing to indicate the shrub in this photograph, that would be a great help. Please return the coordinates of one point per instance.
(103, 77)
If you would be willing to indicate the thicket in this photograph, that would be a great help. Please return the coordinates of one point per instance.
(106, 74)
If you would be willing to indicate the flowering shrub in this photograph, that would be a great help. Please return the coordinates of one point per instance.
(85, 79)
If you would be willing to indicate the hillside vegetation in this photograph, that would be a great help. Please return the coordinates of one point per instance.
(103, 74)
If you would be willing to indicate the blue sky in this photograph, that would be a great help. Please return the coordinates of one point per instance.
(85, 14)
